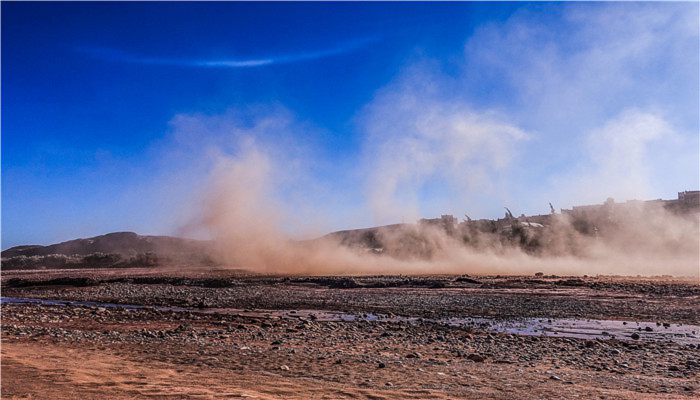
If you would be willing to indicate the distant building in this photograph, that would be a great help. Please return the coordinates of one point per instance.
(688, 201)
(588, 218)
(446, 221)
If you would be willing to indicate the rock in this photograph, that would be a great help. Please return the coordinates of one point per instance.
(635, 336)
(284, 368)
(648, 329)
(381, 365)
(554, 378)
(476, 357)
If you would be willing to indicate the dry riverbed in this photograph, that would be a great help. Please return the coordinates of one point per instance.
(165, 333)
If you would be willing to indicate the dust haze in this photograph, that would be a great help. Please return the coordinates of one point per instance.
(572, 134)
(248, 217)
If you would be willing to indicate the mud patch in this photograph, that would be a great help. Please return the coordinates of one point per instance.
(563, 327)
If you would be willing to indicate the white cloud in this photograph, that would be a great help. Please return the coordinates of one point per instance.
(125, 57)
(587, 62)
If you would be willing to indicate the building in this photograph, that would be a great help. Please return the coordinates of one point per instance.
(446, 221)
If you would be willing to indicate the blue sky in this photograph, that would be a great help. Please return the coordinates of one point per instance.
(115, 114)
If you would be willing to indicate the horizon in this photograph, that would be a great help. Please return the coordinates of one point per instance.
(312, 238)
(361, 115)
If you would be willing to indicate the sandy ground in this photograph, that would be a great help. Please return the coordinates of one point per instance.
(239, 336)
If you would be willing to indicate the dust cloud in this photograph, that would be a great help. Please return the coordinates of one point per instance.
(573, 124)
(246, 215)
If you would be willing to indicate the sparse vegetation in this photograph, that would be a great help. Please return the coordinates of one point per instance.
(94, 260)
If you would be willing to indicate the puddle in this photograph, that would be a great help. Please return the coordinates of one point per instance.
(588, 329)
(561, 327)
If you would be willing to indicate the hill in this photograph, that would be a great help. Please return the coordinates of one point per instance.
(110, 250)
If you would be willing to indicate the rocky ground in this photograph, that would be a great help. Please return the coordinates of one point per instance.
(237, 335)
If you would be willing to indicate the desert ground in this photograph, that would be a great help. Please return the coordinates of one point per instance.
(167, 333)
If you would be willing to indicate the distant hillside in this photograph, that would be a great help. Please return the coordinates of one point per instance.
(401, 241)
(122, 243)
(369, 238)
(118, 249)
